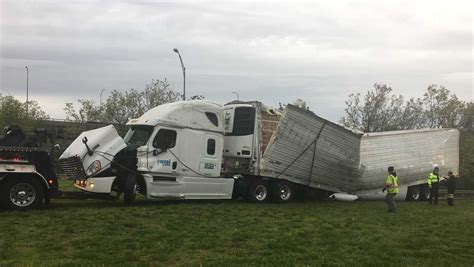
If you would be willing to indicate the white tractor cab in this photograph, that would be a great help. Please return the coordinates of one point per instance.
(172, 151)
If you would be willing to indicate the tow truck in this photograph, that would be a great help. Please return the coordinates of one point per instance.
(27, 176)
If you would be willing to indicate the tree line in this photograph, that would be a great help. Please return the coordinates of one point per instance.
(120, 106)
(381, 110)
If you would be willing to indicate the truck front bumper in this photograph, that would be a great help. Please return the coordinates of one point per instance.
(96, 184)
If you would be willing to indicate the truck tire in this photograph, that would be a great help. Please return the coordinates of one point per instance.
(424, 192)
(22, 193)
(283, 192)
(414, 193)
(259, 191)
(130, 189)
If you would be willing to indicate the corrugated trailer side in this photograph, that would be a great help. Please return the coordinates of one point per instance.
(413, 153)
(312, 151)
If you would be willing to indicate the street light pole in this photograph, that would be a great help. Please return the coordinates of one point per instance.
(27, 72)
(237, 95)
(184, 72)
(100, 99)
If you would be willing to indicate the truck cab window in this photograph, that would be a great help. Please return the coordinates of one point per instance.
(138, 135)
(165, 139)
(211, 146)
(213, 118)
(244, 121)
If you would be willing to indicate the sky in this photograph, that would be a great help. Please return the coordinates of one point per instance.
(270, 51)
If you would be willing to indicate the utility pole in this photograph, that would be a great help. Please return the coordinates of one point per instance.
(237, 95)
(100, 99)
(27, 72)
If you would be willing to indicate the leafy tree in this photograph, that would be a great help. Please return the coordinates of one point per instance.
(411, 116)
(467, 121)
(466, 147)
(122, 106)
(466, 159)
(197, 97)
(158, 93)
(88, 111)
(442, 109)
(378, 110)
(13, 112)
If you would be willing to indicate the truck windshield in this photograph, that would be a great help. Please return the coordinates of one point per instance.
(138, 135)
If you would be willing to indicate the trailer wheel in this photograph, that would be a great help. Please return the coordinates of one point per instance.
(414, 193)
(424, 192)
(259, 191)
(22, 193)
(130, 189)
(283, 192)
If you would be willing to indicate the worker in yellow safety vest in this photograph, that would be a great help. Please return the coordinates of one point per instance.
(433, 183)
(391, 185)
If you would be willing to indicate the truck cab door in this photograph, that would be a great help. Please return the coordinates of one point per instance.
(163, 164)
(204, 156)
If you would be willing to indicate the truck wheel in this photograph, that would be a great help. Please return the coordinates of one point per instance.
(22, 193)
(130, 189)
(283, 192)
(424, 192)
(414, 193)
(259, 191)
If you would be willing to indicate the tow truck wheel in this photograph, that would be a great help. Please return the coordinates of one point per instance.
(259, 191)
(22, 193)
(130, 189)
(283, 192)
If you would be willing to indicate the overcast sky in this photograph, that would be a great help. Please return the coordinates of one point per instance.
(319, 51)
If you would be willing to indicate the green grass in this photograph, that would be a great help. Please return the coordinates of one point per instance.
(220, 233)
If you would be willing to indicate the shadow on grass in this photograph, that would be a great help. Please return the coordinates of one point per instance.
(62, 204)
(108, 204)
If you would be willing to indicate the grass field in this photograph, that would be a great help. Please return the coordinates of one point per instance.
(220, 233)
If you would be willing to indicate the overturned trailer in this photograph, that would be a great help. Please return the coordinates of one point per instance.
(203, 150)
(309, 150)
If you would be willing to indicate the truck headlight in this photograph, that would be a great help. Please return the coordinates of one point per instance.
(93, 168)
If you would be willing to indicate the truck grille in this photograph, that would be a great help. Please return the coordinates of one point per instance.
(73, 168)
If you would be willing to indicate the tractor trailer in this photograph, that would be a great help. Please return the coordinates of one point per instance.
(204, 150)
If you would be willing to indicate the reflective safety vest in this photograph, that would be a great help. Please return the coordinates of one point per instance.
(433, 178)
(392, 182)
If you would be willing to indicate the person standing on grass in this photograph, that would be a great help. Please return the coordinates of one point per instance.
(433, 183)
(451, 184)
(391, 185)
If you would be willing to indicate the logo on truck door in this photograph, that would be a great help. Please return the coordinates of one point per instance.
(164, 162)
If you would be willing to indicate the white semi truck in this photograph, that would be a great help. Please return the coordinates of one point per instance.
(204, 150)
